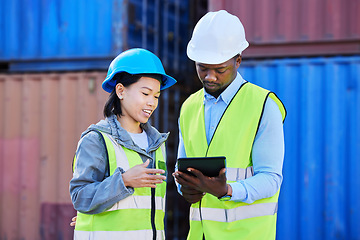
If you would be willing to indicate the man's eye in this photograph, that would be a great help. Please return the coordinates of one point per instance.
(221, 71)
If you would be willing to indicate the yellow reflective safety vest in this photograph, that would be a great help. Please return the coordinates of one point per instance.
(233, 138)
(139, 216)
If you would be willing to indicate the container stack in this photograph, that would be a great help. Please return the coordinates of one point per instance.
(54, 56)
(308, 53)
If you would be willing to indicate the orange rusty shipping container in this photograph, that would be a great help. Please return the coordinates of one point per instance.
(41, 119)
(297, 27)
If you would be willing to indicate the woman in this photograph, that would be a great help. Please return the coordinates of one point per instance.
(118, 186)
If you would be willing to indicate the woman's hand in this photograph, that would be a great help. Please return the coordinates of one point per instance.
(73, 221)
(140, 176)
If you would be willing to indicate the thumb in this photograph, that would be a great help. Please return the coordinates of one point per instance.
(222, 172)
(145, 164)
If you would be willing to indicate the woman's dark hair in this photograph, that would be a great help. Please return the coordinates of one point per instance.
(112, 105)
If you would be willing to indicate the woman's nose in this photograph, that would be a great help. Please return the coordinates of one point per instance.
(151, 103)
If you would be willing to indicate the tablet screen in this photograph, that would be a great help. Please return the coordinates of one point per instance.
(209, 166)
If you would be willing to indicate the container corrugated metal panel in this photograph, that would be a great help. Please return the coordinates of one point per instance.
(282, 27)
(42, 118)
(320, 191)
(53, 31)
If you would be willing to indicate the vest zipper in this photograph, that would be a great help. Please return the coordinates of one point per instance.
(153, 212)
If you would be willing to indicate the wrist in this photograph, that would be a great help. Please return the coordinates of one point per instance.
(228, 192)
(125, 180)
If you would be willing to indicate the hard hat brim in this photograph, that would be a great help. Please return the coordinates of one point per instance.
(109, 83)
(213, 57)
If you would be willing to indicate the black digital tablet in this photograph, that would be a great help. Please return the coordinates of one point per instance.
(209, 166)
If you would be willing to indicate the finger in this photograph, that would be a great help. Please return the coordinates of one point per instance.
(193, 198)
(152, 181)
(196, 172)
(72, 224)
(190, 191)
(187, 184)
(152, 185)
(154, 171)
(74, 219)
(184, 177)
(155, 177)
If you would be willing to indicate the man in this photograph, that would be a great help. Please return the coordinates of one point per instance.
(233, 118)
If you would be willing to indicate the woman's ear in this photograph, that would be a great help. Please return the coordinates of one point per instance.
(119, 88)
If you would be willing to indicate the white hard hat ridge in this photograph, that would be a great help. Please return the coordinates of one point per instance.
(217, 37)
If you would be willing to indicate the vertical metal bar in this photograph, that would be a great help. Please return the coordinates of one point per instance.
(176, 200)
(311, 132)
(29, 204)
(156, 27)
(157, 32)
(165, 111)
(354, 147)
(335, 149)
(10, 213)
(144, 24)
(176, 59)
(165, 21)
(119, 26)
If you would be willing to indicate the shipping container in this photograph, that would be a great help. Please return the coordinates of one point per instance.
(41, 119)
(79, 35)
(297, 27)
(320, 190)
(43, 115)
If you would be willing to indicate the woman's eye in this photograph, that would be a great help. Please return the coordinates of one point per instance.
(157, 97)
(145, 94)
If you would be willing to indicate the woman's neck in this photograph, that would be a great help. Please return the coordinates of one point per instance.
(130, 126)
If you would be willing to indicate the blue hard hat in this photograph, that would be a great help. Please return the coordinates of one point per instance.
(136, 61)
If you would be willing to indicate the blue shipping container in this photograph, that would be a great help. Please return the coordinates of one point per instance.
(72, 35)
(320, 193)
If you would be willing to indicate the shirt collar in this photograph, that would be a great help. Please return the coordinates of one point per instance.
(228, 93)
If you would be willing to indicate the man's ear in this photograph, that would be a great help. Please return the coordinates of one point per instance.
(119, 88)
(238, 61)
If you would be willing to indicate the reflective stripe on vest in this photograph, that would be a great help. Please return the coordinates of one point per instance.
(140, 234)
(132, 214)
(233, 138)
(236, 174)
(138, 202)
(235, 214)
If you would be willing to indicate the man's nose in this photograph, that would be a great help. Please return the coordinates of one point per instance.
(210, 76)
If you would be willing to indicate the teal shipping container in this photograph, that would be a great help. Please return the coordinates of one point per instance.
(319, 198)
(86, 35)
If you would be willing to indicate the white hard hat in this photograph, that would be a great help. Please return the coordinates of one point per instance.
(217, 37)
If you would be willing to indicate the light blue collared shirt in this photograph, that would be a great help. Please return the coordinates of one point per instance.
(268, 147)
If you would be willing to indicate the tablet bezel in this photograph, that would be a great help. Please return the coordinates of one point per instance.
(210, 167)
